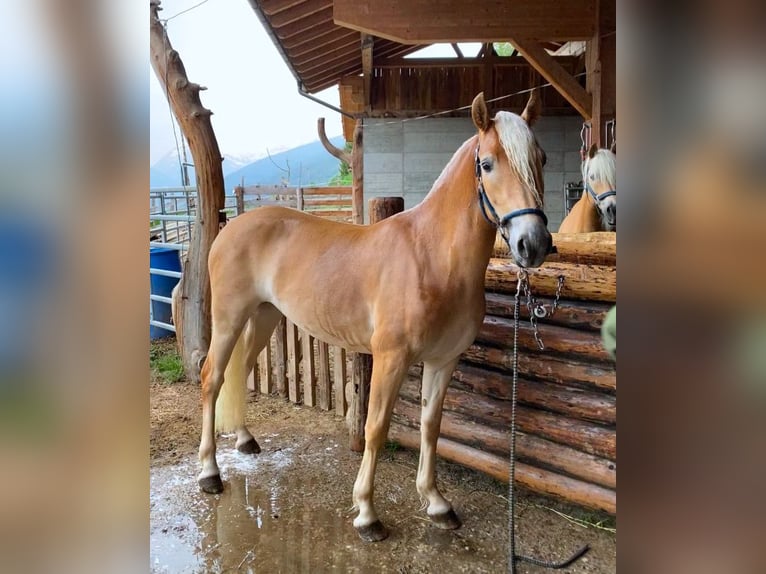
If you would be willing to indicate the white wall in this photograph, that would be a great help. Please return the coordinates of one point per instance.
(405, 158)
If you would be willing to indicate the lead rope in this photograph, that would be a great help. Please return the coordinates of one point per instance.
(538, 311)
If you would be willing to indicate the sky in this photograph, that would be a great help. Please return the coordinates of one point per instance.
(251, 92)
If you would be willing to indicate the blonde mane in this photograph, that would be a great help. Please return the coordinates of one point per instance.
(517, 141)
(603, 166)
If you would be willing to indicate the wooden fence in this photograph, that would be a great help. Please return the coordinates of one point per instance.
(566, 414)
(332, 202)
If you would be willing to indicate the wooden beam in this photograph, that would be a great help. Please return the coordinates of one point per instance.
(555, 73)
(415, 21)
(600, 63)
(367, 44)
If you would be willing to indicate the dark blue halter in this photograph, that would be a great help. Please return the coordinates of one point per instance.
(601, 197)
(486, 204)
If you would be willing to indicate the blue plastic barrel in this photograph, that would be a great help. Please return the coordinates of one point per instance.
(168, 260)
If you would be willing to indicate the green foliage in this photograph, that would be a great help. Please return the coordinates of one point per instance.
(165, 362)
(503, 48)
(344, 176)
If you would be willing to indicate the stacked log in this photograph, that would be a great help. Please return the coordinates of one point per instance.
(567, 409)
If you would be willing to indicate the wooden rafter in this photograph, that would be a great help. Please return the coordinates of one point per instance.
(552, 71)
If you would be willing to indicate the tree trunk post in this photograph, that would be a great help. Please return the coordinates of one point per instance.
(361, 372)
(192, 295)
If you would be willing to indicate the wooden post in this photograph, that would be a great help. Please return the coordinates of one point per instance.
(323, 376)
(293, 372)
(309, 372)
(339, 380)
(239, 193)
(299, 198)
(192, 297)
(280, 357)
(361, 374)
(600, 63)
(357, 173)
(264, 370)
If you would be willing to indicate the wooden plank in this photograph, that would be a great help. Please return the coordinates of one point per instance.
(280, 358)
(529, 448)
(565, 371)
(293, 368)
(586, 282)
(330, 212)
(555, 73)
(598, 248)
(265, 377)
(330, 190)
(309, 371)
(345, 202)
(579, 315)
(298, 12)
(535, 479)
(414, 21)
(339, 380)
(323, 376)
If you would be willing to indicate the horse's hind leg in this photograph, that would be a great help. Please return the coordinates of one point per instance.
(257, 334)
(435, 381)
(222, 343)
(388, 370)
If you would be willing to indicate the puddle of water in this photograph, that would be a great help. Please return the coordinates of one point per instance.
(268, 519)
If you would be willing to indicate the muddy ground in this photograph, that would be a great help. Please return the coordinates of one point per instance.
(288, 509)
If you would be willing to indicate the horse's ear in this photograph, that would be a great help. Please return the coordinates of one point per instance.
(592, 151)
(479, 112)
(532, 110)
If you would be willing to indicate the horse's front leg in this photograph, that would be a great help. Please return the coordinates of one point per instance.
(388, 370)
(436, 379)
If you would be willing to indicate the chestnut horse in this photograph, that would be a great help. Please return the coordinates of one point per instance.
(597, 208)
(407, 289)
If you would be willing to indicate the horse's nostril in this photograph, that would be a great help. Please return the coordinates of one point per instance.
(521, 247)
(611, 211)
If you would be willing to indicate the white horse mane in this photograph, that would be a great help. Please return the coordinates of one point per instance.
(603, 166)
(517, 141)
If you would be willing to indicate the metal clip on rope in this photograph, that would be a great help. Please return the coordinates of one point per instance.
(522, 287)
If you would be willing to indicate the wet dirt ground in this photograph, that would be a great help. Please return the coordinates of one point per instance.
(288, 509)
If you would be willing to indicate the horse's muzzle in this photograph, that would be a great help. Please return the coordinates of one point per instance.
(529, 241)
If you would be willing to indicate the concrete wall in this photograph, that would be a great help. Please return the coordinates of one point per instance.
(405, 158)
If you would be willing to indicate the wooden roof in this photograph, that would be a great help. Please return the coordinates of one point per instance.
(317, 51)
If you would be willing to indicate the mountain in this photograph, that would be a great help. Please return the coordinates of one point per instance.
(308, 164)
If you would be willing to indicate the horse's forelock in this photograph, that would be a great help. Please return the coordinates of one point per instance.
(603, 166)
(519, 144)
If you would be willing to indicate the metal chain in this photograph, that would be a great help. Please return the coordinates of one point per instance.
(522, 288)
(538, 310)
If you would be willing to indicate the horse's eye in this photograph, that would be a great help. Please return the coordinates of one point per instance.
(545, 157)
(592, 177)
(486, 165)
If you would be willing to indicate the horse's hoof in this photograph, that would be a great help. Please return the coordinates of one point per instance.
(374, 532)
(447, 521)
(250, 447)
(211, 484)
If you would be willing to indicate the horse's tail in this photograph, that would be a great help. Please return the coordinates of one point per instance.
(230, 406)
